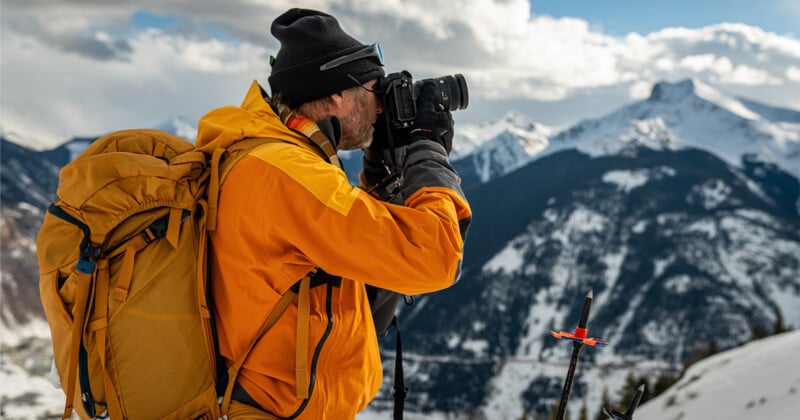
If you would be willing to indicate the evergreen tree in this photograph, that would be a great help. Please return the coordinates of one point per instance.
(553, 414)
(554, 411)
(713, 348)
(606, 402)
(628, 391)
(700, 352)
(757, 332)
(584, 412)
(525, 413)
(663, 381)
(778, 327)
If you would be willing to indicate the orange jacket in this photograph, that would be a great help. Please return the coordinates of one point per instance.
(285, 210)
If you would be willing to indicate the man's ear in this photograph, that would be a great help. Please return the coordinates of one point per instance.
(336, 99)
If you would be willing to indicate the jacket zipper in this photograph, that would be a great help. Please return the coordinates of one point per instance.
(317, 351)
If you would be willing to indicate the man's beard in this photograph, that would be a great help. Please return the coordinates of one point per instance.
(357, 126)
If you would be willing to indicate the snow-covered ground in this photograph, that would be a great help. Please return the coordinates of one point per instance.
(760, 380)
(26, 391)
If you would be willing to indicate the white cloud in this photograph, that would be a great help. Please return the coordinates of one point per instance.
(746, 75)
(793, 73)
(85, 69)
(165, 75)
(699, 62)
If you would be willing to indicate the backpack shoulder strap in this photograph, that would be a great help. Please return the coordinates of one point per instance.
(222, 162)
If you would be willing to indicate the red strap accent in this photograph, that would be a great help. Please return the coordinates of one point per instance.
(580, 332)
(294, 121)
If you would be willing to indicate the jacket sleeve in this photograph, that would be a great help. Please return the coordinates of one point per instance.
(378, 178)
(426, 167)
(311, 211)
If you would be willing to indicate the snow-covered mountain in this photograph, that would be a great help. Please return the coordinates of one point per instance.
(688, 113)
(692, 114)
(181, 127)
(489, 150)
(679, 246)
(482, 151)
(759, 380)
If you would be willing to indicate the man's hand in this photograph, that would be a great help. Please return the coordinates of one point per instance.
(430, 123)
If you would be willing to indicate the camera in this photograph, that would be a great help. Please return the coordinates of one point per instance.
(400, 93)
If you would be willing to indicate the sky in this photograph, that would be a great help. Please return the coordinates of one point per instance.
(619, 17)
(87, 67)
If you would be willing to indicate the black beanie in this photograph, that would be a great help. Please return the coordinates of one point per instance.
(310, 39)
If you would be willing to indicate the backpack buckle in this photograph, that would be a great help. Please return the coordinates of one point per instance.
(85, 262)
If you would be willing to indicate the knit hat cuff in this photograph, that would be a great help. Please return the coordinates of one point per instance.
(306, 82)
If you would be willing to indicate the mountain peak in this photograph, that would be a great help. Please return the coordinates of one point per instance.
(670, 92)
(181, 127)
(515, 118)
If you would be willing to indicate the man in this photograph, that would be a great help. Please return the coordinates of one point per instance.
(287, 208)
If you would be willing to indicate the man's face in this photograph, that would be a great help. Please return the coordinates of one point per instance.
(360, 109)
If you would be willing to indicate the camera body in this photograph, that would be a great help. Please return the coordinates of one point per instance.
(400, 92)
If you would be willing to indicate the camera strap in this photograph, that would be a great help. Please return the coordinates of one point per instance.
(309, 129)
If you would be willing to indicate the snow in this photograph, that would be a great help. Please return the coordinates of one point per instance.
(508, 260)
(626, 180)
(731, 104)
(75, 148)
(662, 332)
(613, 262)
(678, 284)
(181, 127)
(28, 397)
(478, 347)
(12, 335)
(21, 128)
(584, 220)
(750, 244)
(788, 302)
(500, 146)
(712, 193)
(757, 381)
(706, 227)
(470, 137)
(627, 317)
(29, 208)
(689, 114)
(507, 387)
(639, 227)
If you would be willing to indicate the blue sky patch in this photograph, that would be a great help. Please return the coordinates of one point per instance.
(143, 19)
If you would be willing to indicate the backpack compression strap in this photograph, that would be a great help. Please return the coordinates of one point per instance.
(84, 271)
(99, 324)
(84, 281)
(271, 319)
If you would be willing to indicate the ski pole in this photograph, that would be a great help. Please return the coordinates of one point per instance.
(627, 415)
(578, 339)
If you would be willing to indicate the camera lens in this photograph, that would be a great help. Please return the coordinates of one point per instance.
(453, 93)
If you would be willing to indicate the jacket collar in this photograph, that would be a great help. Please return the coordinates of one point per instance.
(324, 133)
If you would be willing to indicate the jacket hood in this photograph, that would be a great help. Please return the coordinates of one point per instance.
(224, 126)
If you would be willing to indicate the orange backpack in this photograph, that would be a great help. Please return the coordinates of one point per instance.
(122, 261)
